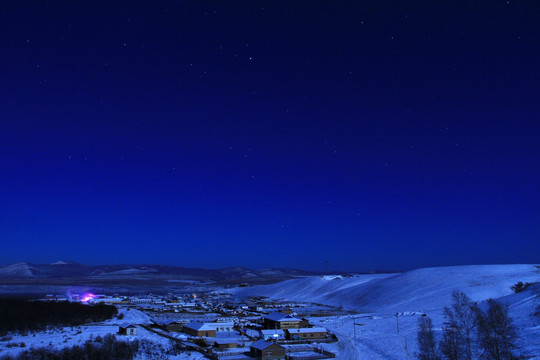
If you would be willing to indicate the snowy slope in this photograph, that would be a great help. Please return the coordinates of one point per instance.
(20, 270)
(416, 290)
(313, 289)
(423, 290)
(131, 316)
(522, 307)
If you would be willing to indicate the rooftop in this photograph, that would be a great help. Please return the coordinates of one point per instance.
(307, 330)
(262, 344)
(277, 316)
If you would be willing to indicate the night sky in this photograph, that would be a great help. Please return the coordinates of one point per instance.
(374, 135)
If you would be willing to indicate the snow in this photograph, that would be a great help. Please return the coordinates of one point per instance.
(521, 307)
(278, 316)
(384, 310)
(128, 272)
(131, 316)
(59, 262)
(307, 330)
(19, 270)
(376, 299)
(71, 336)
(416, 290)
(56, 338)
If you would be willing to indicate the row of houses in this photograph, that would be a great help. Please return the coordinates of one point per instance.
(312, 333)
(275, 326)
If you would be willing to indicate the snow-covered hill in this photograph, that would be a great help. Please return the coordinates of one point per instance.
(416, 290)
(395, 301)
(48, 273)
(20, 270)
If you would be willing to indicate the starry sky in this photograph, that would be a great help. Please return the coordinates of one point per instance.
(382, 135)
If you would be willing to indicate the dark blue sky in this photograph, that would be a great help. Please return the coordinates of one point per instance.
(374, 135)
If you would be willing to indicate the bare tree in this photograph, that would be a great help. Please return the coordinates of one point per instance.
(451, 345)
(458, 332)
(496, 334)
(427, 346)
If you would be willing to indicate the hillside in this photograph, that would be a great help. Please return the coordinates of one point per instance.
(416, 290)
(67, 272)
(387, 302)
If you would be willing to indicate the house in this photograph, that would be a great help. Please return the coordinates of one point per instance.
(276, 334)
(209, 329)
(277, 320)
(221, 326)
(174, 326)
(304, 323)
(267, 350)
(225, 344)
(127, 329)
(199, 329)
(313, 333)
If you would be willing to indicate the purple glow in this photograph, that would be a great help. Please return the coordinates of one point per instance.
(88, 297)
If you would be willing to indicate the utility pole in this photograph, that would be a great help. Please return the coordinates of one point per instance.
(354, 326)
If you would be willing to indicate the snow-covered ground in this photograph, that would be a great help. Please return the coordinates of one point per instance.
(382, 316)
(78, 335)
(68, 337)
(378, 298)
(416, 290)
(131, 316)
(55, 338)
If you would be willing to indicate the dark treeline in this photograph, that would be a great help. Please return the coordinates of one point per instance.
(23, 315)
(107, 348)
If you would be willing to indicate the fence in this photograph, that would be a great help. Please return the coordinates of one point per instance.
(317, 355)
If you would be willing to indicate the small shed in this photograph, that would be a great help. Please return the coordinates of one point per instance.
(127, 329)
(267, 350)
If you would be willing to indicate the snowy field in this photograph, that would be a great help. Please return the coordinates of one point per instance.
(78, 335)
(378, 298)
(416, 290)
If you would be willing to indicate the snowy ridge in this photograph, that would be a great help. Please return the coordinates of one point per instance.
(20, 270)
(48, 273)
(416, 290)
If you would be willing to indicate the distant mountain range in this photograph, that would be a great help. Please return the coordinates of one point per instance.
(66, 271)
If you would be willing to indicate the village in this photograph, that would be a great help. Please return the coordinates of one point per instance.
(217, 326)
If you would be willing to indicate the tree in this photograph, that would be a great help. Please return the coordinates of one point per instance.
(520, 286)
(452, 346)
(496, 334)
(427, 348)
(459, 329)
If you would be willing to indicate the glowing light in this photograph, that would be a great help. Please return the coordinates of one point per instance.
(88, 297)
